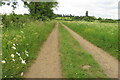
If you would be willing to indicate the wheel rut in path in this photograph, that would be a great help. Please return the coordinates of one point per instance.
(47, 64)
(106, 61)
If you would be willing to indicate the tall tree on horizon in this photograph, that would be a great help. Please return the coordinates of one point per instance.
(86, 13)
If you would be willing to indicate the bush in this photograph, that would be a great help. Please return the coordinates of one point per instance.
(21, 41)
(14, 20)
(108, 21)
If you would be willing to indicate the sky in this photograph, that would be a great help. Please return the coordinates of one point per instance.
(98, 8)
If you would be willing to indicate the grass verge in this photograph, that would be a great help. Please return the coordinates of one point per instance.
(21, 46)
(76, 62)
(103, 35)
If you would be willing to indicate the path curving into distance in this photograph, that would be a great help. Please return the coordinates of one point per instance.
(105, 60)
(47, 65)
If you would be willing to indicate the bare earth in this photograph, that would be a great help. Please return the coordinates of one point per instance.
(106, 61)
(47, 64)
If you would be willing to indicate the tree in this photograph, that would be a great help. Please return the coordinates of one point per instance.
(86, 13)
(99, 18)
(38, 10)
(41, 10)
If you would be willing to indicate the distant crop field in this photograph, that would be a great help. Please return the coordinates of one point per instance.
(103, 35)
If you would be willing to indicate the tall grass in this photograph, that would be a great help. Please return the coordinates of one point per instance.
(0, 47)
(21, 46)
(74, 57)
(103, 35)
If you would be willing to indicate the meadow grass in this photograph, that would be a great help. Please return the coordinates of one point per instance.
(0, 48)
(103, 35)
(21, 46)
(64, 18)
(74, 57)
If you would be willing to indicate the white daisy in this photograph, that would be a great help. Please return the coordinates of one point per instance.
(3, 61)
(22, 74)
(14, 45)
(12, 55)
(14, 48)
(13, 59)
(18, 53)
(23, 62)
(27, 55)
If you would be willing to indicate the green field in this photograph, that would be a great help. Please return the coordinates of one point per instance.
(43, 40)
(74, 58)
(64, 18)
(103, 35)
(21, 46)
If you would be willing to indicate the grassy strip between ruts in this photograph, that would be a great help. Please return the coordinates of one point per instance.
(76, 62)
(21, 46)
(103, 35)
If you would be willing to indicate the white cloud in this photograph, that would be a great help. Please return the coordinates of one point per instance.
(98, 8)
(19, 10)
(5, 9)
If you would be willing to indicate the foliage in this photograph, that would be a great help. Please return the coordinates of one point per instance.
(38, 10)
(108, 20)
(14, 20)
(88, 18)
(21, 46)
(84, 18)
(41, 10)
(77, 18)
(73, 57)
(103, 35)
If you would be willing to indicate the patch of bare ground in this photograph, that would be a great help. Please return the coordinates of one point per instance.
(47, 65)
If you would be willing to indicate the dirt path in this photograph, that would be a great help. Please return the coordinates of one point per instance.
(47, 64)
(106, 61)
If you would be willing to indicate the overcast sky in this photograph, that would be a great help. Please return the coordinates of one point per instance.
(98, 8)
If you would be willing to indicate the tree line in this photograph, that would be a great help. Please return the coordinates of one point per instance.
(37, 11)
(70, 17)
